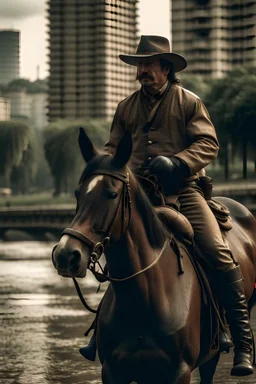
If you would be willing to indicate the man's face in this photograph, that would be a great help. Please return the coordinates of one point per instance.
(150, 73)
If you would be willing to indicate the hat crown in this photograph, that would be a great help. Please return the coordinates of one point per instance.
(155, 47)
(153, 44)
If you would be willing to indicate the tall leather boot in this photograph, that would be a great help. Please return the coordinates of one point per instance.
(230, 294)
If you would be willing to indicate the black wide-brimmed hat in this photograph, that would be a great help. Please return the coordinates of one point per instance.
(155, 46)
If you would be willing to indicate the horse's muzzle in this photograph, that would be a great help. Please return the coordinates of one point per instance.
(68, 261)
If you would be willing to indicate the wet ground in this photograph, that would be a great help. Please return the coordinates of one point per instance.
(42, 322)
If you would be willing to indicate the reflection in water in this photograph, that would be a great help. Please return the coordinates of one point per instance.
(43, 322)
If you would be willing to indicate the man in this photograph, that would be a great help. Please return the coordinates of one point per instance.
(174, 139)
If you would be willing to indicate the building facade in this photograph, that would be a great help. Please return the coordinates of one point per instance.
(5, 109)
(215, 36)
(29, 105)
(10, 56)
(87, 78)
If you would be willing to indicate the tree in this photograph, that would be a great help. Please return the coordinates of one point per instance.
(62, 151)
(23, 175)
(25, 84)
(217, 110)
(197, 84)
(243, 115)
(222, 100)
(14, 141)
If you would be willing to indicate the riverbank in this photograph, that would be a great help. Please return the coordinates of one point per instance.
(246, 189)
(37, 199)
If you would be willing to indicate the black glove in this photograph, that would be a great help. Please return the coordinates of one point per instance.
(169, 172)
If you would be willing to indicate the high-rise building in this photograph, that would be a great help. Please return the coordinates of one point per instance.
(10, 56)
(215, 36)
(30, 105)
(87, 78)
(5, 109)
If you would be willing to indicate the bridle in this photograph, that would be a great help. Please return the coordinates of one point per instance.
(98, 248)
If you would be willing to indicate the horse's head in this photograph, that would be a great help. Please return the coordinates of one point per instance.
(103, 208)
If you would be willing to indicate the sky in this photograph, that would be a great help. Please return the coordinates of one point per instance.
(29, 17)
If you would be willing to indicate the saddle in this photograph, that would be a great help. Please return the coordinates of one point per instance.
(170, 215)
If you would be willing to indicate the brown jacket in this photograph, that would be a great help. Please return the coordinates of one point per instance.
(181, 127)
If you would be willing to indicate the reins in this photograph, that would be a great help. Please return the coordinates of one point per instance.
(85, 304)
(99, 248)
(116, 280)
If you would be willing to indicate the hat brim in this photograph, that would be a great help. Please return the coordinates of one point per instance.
(178, 61)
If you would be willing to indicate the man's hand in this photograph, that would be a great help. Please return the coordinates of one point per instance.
(169, 172)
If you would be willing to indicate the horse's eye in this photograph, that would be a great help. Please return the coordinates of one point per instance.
(113, 195)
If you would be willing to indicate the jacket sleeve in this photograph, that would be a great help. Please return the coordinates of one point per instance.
(116, 132)
(203, 143)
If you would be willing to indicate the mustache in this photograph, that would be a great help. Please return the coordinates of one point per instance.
(145, 75)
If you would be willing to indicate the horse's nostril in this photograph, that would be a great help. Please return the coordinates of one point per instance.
(75, 260)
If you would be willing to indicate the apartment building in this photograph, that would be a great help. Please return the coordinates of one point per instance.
(5, 109)
(87, 78)
(10, 56)
(215, 36)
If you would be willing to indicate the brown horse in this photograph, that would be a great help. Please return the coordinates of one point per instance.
(151, 326)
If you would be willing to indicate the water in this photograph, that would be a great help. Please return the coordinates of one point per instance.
(42, 322)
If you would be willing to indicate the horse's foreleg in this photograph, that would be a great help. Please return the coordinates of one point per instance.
(184, 375)
(185, 379)
(208, 369)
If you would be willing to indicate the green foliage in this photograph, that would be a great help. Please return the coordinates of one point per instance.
(14, 140)
(27, 85)
(62, 150)
(197, 84)
(225, 96)
(242, 109)
(232, 104)
(23, 174)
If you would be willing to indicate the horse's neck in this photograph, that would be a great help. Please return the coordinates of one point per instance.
(134, 251)
(132, 254)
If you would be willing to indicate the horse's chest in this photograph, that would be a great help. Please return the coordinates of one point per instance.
(140, 354)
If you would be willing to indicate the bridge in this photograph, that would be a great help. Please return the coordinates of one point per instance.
(47, 222)
(41, 222)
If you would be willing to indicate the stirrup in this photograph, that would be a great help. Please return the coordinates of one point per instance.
(225, 342)
(89, 352)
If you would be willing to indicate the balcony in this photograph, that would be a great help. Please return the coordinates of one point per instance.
(200, 14)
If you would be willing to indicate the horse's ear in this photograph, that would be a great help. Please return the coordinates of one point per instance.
(87, 149)
(123, 150)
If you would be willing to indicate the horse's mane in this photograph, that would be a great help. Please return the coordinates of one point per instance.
(153, 225)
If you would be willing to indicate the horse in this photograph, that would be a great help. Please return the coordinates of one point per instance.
(151, 322)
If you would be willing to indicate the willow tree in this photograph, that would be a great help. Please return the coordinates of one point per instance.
(14, 141)
(23, 175)
(62, 150)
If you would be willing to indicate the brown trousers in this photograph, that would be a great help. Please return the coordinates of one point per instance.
(208, 236)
